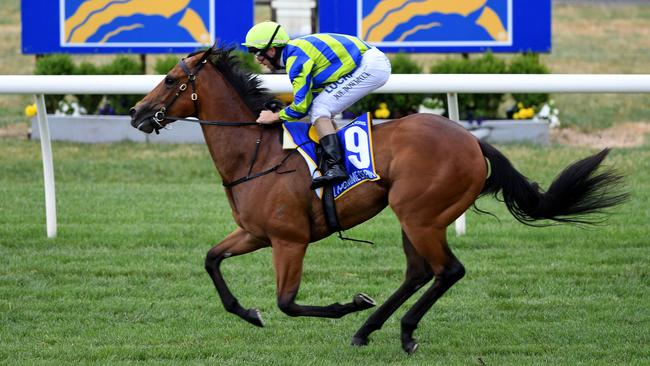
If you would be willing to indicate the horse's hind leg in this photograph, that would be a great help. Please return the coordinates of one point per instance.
(237, 243)
(288, 261)
(418, 273)
(431, 243)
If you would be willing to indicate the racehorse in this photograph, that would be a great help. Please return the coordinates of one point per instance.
(432, 170)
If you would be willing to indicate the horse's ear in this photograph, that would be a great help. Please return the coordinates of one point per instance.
(209, 51)
(215, 46)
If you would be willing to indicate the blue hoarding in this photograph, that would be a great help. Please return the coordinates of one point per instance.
(138, 26)
(442, 25)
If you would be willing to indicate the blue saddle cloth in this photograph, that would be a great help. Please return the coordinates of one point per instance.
(355, 137)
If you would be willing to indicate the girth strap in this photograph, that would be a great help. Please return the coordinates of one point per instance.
(329, 208)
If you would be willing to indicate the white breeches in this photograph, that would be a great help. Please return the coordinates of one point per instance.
(372, 73)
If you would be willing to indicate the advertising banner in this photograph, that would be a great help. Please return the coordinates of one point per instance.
(442, 25)
(138, 26)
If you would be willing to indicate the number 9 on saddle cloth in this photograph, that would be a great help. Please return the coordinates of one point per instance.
(356, 138)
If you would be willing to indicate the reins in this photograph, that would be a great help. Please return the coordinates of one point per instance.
(160, 116)
(211, 123)
(260, 174)
(258, 143)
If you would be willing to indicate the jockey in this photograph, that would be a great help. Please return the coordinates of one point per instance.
(329, 72)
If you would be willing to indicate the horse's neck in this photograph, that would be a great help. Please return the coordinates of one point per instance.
(232, 148)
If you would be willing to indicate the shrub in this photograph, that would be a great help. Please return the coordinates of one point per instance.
(474, 106)
(63, 65)
(90, 102)
(399, 105)
(528, 63)
(165, 64)
(122, 65)
(247, 61)
(54, 65)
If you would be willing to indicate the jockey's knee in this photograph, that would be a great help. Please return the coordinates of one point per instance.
(324, 126)
(319, 112)
(322, 121)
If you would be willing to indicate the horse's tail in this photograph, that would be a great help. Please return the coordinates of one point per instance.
(577, 192)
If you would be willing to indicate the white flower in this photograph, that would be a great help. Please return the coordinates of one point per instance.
(549, 114)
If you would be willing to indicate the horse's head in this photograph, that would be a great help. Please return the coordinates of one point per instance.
(228, 92)
(176, 95)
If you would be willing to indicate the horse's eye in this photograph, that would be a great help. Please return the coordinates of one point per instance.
(169, 81)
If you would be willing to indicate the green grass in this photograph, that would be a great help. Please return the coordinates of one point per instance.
(123, 283)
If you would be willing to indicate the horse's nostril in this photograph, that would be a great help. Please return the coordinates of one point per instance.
(132, 112)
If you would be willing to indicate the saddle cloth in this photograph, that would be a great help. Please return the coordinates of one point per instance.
(356, 139)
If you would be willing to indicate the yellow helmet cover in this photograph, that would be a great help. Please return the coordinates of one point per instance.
(261, 36)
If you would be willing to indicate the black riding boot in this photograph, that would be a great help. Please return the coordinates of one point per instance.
(333, 156)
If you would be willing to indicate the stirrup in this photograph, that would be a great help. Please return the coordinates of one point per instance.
(333, 175)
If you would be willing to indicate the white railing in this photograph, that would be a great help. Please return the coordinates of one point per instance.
(416, 83)
(420, 83)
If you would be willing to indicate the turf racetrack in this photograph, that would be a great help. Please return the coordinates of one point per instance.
(124, 281)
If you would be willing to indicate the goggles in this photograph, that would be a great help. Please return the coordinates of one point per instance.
(256, 52)
(262, 52)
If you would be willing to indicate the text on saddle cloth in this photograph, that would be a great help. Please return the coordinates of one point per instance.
(356, 138)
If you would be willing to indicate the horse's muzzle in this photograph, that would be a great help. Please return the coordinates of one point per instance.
(141, 121)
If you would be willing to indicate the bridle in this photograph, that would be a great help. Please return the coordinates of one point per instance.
(161, 115)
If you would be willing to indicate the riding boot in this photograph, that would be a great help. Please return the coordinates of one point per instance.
(333, 156)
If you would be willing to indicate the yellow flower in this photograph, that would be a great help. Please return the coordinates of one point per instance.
(30, 110)
(382, 111)
(527, 113)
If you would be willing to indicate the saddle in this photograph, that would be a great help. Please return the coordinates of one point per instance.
(356, 138)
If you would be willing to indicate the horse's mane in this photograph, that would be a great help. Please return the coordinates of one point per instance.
(245, 83)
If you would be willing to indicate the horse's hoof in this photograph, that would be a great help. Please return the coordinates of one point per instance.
(254, 317)
(363, 301)
(359, 341)
(410, 347)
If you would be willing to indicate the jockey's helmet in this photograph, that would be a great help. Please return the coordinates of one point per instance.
(266, 35)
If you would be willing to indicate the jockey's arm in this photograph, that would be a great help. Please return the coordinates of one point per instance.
(300, 74)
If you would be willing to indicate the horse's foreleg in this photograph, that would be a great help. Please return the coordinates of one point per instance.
(418, 273)
(288, 260)
(237, 243)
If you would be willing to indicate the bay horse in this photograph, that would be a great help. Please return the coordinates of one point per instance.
(432, 170)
